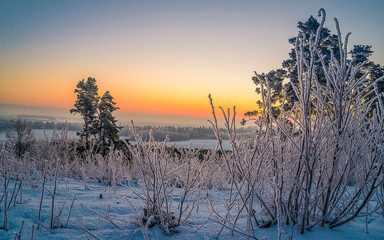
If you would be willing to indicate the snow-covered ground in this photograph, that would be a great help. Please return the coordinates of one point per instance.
(196, 143)
(122, 207)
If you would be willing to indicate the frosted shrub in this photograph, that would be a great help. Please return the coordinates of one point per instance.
(57, 148)
(300, 164)
(14, 171)
(6, 169)
(160, 170)
(215, 175)
(247, 169)
(111, 169)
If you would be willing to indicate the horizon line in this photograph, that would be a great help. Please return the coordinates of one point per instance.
(62, 114)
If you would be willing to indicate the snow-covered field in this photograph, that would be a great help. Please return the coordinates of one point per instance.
(124, 207)
(196, 143)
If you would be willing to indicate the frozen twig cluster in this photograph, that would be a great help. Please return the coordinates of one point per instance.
(159, 171)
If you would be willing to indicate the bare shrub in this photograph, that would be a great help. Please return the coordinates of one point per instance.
(160, 169)
(13, 170)
(112, 169)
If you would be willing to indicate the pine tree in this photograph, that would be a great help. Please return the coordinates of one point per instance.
(87, 106)
(107, 129)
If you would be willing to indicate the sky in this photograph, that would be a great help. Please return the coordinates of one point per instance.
(158, 59)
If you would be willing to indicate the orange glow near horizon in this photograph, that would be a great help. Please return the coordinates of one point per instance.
(135, 91)
(135, 98)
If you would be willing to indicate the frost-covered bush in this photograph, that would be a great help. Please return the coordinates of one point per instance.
(112, 169)
(14, 171)
(170, 179)
(215, 174)
(312, 163)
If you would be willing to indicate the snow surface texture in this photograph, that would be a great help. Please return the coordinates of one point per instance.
(122, 205)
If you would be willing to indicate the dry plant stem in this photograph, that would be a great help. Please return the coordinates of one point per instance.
(105, 217)
(42, 196)
(32, 231)
(2, 197)
(19, 189)
(13, 192)
(70, 210)
(85, 230)
(57, 218)
(18, 234)
(143, 228)
(234, 228)
(49, 230)
(53, 194)
(305, 83)
(5, 225)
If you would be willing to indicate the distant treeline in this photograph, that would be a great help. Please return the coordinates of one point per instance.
(6, 124)
(159, 132)
(179, 133)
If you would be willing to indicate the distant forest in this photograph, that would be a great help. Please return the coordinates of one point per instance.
(182, 133)
(6, 124)
(159, 132)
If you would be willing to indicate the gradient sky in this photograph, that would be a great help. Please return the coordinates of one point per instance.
(159, 59)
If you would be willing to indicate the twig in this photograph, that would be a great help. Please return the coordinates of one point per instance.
(57, 218)
(18, 234)
(53, 196)
(5, 227)
(106, 218)
(13, 193)
(33, 231)
(85, 230)
(234, 229)
(49, 230)
(70, 210)
(42, 195)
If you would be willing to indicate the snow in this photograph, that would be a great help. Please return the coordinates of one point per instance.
(122, 207)
(196, 143)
